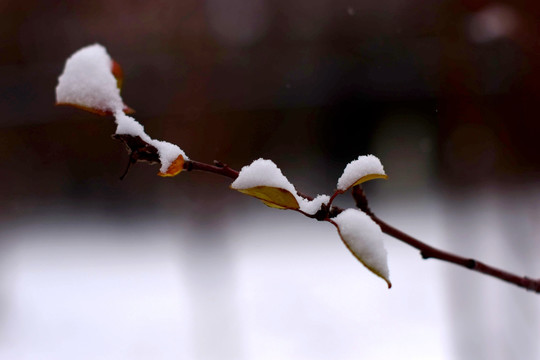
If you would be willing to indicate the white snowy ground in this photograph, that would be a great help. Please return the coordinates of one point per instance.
(274, 285)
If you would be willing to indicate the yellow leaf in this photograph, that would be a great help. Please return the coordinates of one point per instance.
(175, 168)
(367, 178)
(272, 196)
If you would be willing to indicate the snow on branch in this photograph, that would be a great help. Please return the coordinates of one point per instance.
(91, 80)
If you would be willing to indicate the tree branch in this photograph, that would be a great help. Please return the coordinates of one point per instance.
(141, 151)
(427, 251)
(218, 168)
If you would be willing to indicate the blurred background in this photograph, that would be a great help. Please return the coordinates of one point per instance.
(444, 92)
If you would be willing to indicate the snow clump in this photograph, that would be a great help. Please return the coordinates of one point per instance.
(87, 81)
(357, 169)
(262, 172)
(363, 237)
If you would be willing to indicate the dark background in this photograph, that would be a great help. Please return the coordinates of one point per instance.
(306, 83)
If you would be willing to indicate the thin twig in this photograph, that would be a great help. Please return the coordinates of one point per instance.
(427, 252)
(218, 168)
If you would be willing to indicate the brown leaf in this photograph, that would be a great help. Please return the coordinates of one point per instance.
(175, 168)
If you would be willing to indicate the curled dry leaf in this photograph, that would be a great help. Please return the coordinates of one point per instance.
(175, 168)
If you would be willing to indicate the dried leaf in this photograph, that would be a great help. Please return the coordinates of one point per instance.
(175, 168)
(118, 74)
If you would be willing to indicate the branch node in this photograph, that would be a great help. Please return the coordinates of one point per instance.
(334, 211)
(361, 199)
(322, 213)
(470, 263)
